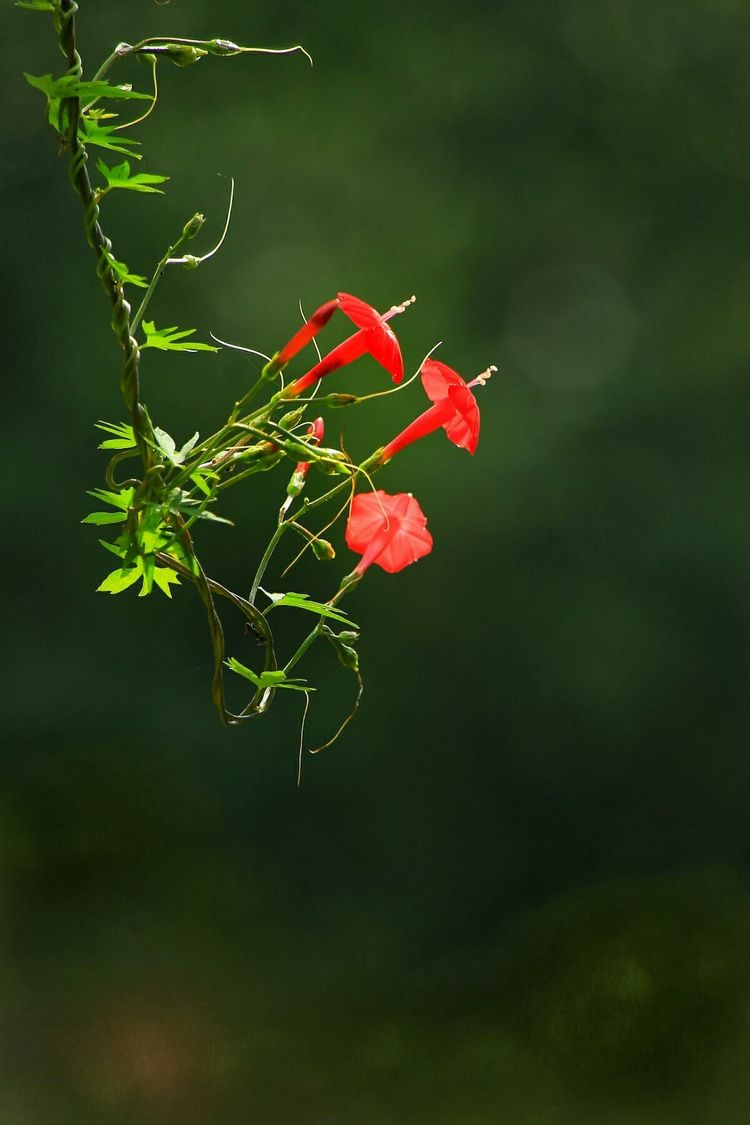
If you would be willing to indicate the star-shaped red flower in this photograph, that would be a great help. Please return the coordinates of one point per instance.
(390, 531)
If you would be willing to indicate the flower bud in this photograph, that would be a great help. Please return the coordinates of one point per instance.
(292, 418)
(297, 449)
(182, 54)
(193, 226)
(296, 482)
(146, 57)
(222, 47)
(344, 643)
(322, 549)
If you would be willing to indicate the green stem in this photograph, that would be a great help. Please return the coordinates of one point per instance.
(257, 386)
(207, 448)
(136, 319)
(308, 641)
(101, 245)
(263, 564)
(313, 635)
(258, 468)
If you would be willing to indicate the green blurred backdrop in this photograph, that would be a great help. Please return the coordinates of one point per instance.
(516, 891)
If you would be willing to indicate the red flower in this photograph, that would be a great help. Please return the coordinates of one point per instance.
(454, 408)
(311, 328)
(375, 337)
(390, 531)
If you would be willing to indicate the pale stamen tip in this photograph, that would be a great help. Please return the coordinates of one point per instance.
(394, 310)
(484, 376)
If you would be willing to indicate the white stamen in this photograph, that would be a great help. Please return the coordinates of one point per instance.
(394, 310)
(483, 377)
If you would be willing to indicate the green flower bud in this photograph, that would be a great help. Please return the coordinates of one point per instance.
(193, 226)
(222, 47)
(146, 57)
(343, 644)
(297, 449)
(322, 549)
(292, 418)
(182, 54)
(296, 483)
(348, 636)
(348, 656)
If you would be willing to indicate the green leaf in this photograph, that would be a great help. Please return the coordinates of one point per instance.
(204, 515)
(165, 442)
(188, 447)
(266, 679)
(36, 5)
(119, 580)
(119, 551)
(124, 438)
(124, 274)
(70, 87)
(105, 517)
(164, 578)
(302, 601)
(93, 133)
(122, 499)
(168, 447)
(147, 564)
(172, 339)
(199, 479)
(120, 177)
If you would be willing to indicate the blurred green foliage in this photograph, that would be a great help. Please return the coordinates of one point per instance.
(517, 890)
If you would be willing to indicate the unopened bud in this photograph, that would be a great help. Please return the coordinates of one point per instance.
(298, 449)
(292, 418)
(146, 57)
(181, 54)
(193, 226)
(348, 656)
(296, 483)
(223, 47)
(322, 549)
(269, 462)
(334, 468)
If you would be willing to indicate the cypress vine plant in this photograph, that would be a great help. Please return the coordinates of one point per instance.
(156, 495)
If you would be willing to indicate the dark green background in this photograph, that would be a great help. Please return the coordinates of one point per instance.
(516, 891)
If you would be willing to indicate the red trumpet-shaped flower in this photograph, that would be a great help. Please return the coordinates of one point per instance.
(390, 531)
(454, 408)
(304, 335)
(375, 338)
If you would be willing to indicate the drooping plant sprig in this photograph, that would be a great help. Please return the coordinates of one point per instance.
(159, 503)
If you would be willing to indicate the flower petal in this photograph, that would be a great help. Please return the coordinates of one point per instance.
(463, 427)
(381, 340)
(368, 515)
(383, 346)
(397, 521)
(438, 378)
(359, 312)
(410, 542)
